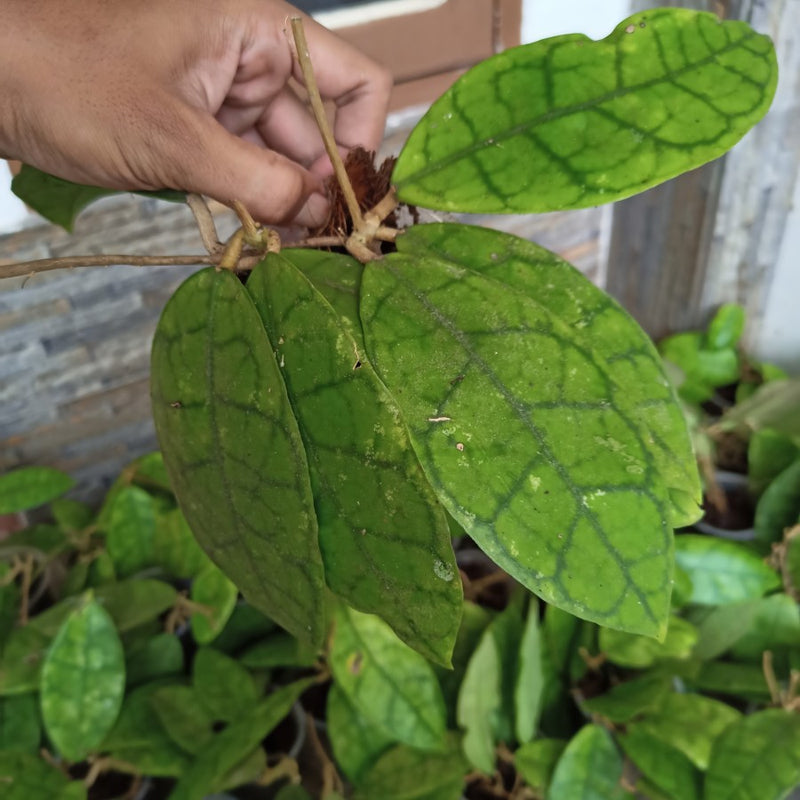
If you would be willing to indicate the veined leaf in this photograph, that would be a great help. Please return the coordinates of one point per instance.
(383, 535)
(638, 382)
(83, 680)
(60, 201)
(233, 450)
(29, 487)
(515, 423)
(389, 684)
(569, 122)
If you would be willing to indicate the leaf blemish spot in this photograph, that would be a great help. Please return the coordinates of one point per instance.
(354, 662)
(460, 447)
(357, 365)
(439, 419)
(630, 29)
(176, 404)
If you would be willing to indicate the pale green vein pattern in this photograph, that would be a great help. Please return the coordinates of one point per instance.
(383, 535)
(233, 450)
(516, 425)
(638, 381)
(569, 122)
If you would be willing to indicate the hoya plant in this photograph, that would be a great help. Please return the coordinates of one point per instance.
(330, 418)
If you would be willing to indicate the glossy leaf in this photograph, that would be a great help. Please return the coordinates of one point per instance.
(356, 742)
(662, 765)
(775, 624)
(690, 723)
(233, 450)
(623, 702)
(390, 684)
(703, 369)
(536, 761)
(722, 571)
(60, 201)
(131, 531)
(223, 685)
(384, 538)
(83, 680)
(229, 747)
(530, 679)
(139, 740)
(278, 650)
(213, 590)
(720, 627)
(779, 507)
(183, 717)
(20, 729)
(768, 454)
(159, 657)
(757, 756)
(30, 487)
(630, 650)
(175, 549)
(639, 383)
(403, 773)
(569, 123)
(726, 327)
(24, 776)
(590, 768)
(515, 424)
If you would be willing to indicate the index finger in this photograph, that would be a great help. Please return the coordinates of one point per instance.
(359, 86)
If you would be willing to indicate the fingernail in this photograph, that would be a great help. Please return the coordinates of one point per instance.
(314, 212)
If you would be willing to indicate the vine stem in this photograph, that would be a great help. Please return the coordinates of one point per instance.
(304, 58)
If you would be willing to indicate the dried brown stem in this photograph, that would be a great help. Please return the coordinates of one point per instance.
(205, 221)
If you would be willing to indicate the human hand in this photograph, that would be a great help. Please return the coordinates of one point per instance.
(184, 94)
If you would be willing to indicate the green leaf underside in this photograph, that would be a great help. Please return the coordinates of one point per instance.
(29, 487)
(569, 123)
(639, 383)
(384, 538)
(389, 684)
(233, 450)
(60, 201)
(83, 680)
(757, 756)
(516, 426)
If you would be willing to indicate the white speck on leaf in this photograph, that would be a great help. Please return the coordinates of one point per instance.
(443, 570)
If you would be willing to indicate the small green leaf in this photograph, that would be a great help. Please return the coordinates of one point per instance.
(102, 571)
(159, 657)
(662, 765)
(720, 627)
(213, 590)
(768, 454)
(175, 549)
(184, 717)
(23, 655)
(703, 369)
(71, 515)
(83, 680)
(726, 327)
(229, 747)
(356, 742)
(278, 650)
(20, 729)
(60, 201)
(131, 531)
(30, 487)
(246, 625)
(530, 679)
(689, 723)
(515, 424)
(138, 739)
(384, 538)
(722, 571)
(403, 773)
(25, 776)
(233, 450)
(568, 122)
(537, 760)
(590, 768)
(248, 770)
(631, 698)
(775, 624)
(779, 507)
(293, 792)
(731, 679)
(136, 601)
(223, 685)
(757, 756)
(772, 405)
(9, 606)
(390, 684)
(630, 650)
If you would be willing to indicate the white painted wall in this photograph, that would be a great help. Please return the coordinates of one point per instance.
(543, 18)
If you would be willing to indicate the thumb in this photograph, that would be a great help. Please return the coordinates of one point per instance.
(223, 166)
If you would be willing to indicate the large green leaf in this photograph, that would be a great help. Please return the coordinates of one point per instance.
(233, 450)
(590, 768)
(569, 123)
(83, 680)
(638, 381)
(757, 756)
(722, 571)
(384, 537)
(59, 200)
(515, 423)
(29, 487)
(387, 682)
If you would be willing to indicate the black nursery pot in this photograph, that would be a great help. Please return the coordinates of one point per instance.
(737, 522)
